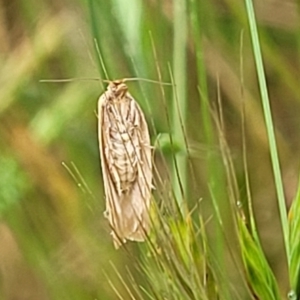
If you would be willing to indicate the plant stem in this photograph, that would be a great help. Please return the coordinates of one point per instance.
(269, 125)
(179, 98)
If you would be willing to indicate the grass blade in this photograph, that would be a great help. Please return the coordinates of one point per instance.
(269, 125)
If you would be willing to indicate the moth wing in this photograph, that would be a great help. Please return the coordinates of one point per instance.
(141, 191)
(121, 211)
(113, 208)
(146, 156)
(128, 214)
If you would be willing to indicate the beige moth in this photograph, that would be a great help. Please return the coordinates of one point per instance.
(126, 164)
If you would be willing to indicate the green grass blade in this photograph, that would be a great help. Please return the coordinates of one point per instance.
(269, 124)
(198, 20)
(179, 100)
(260, 277)
(294, 222)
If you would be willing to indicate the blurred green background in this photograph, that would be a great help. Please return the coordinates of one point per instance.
(54, 240)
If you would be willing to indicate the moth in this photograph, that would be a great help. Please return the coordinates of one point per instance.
(126, 164)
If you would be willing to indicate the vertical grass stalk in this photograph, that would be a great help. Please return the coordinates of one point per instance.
(216, 178)
(179, 98)
(269, 124)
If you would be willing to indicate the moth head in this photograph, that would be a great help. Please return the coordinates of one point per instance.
(118, 88)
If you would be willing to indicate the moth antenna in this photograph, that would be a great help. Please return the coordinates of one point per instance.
(103, 80)
(71, 79)
(138, 79)
(146, 80)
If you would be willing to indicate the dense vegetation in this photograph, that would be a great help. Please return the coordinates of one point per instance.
(225, 137)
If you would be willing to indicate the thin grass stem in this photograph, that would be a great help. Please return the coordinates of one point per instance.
(269, 125)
